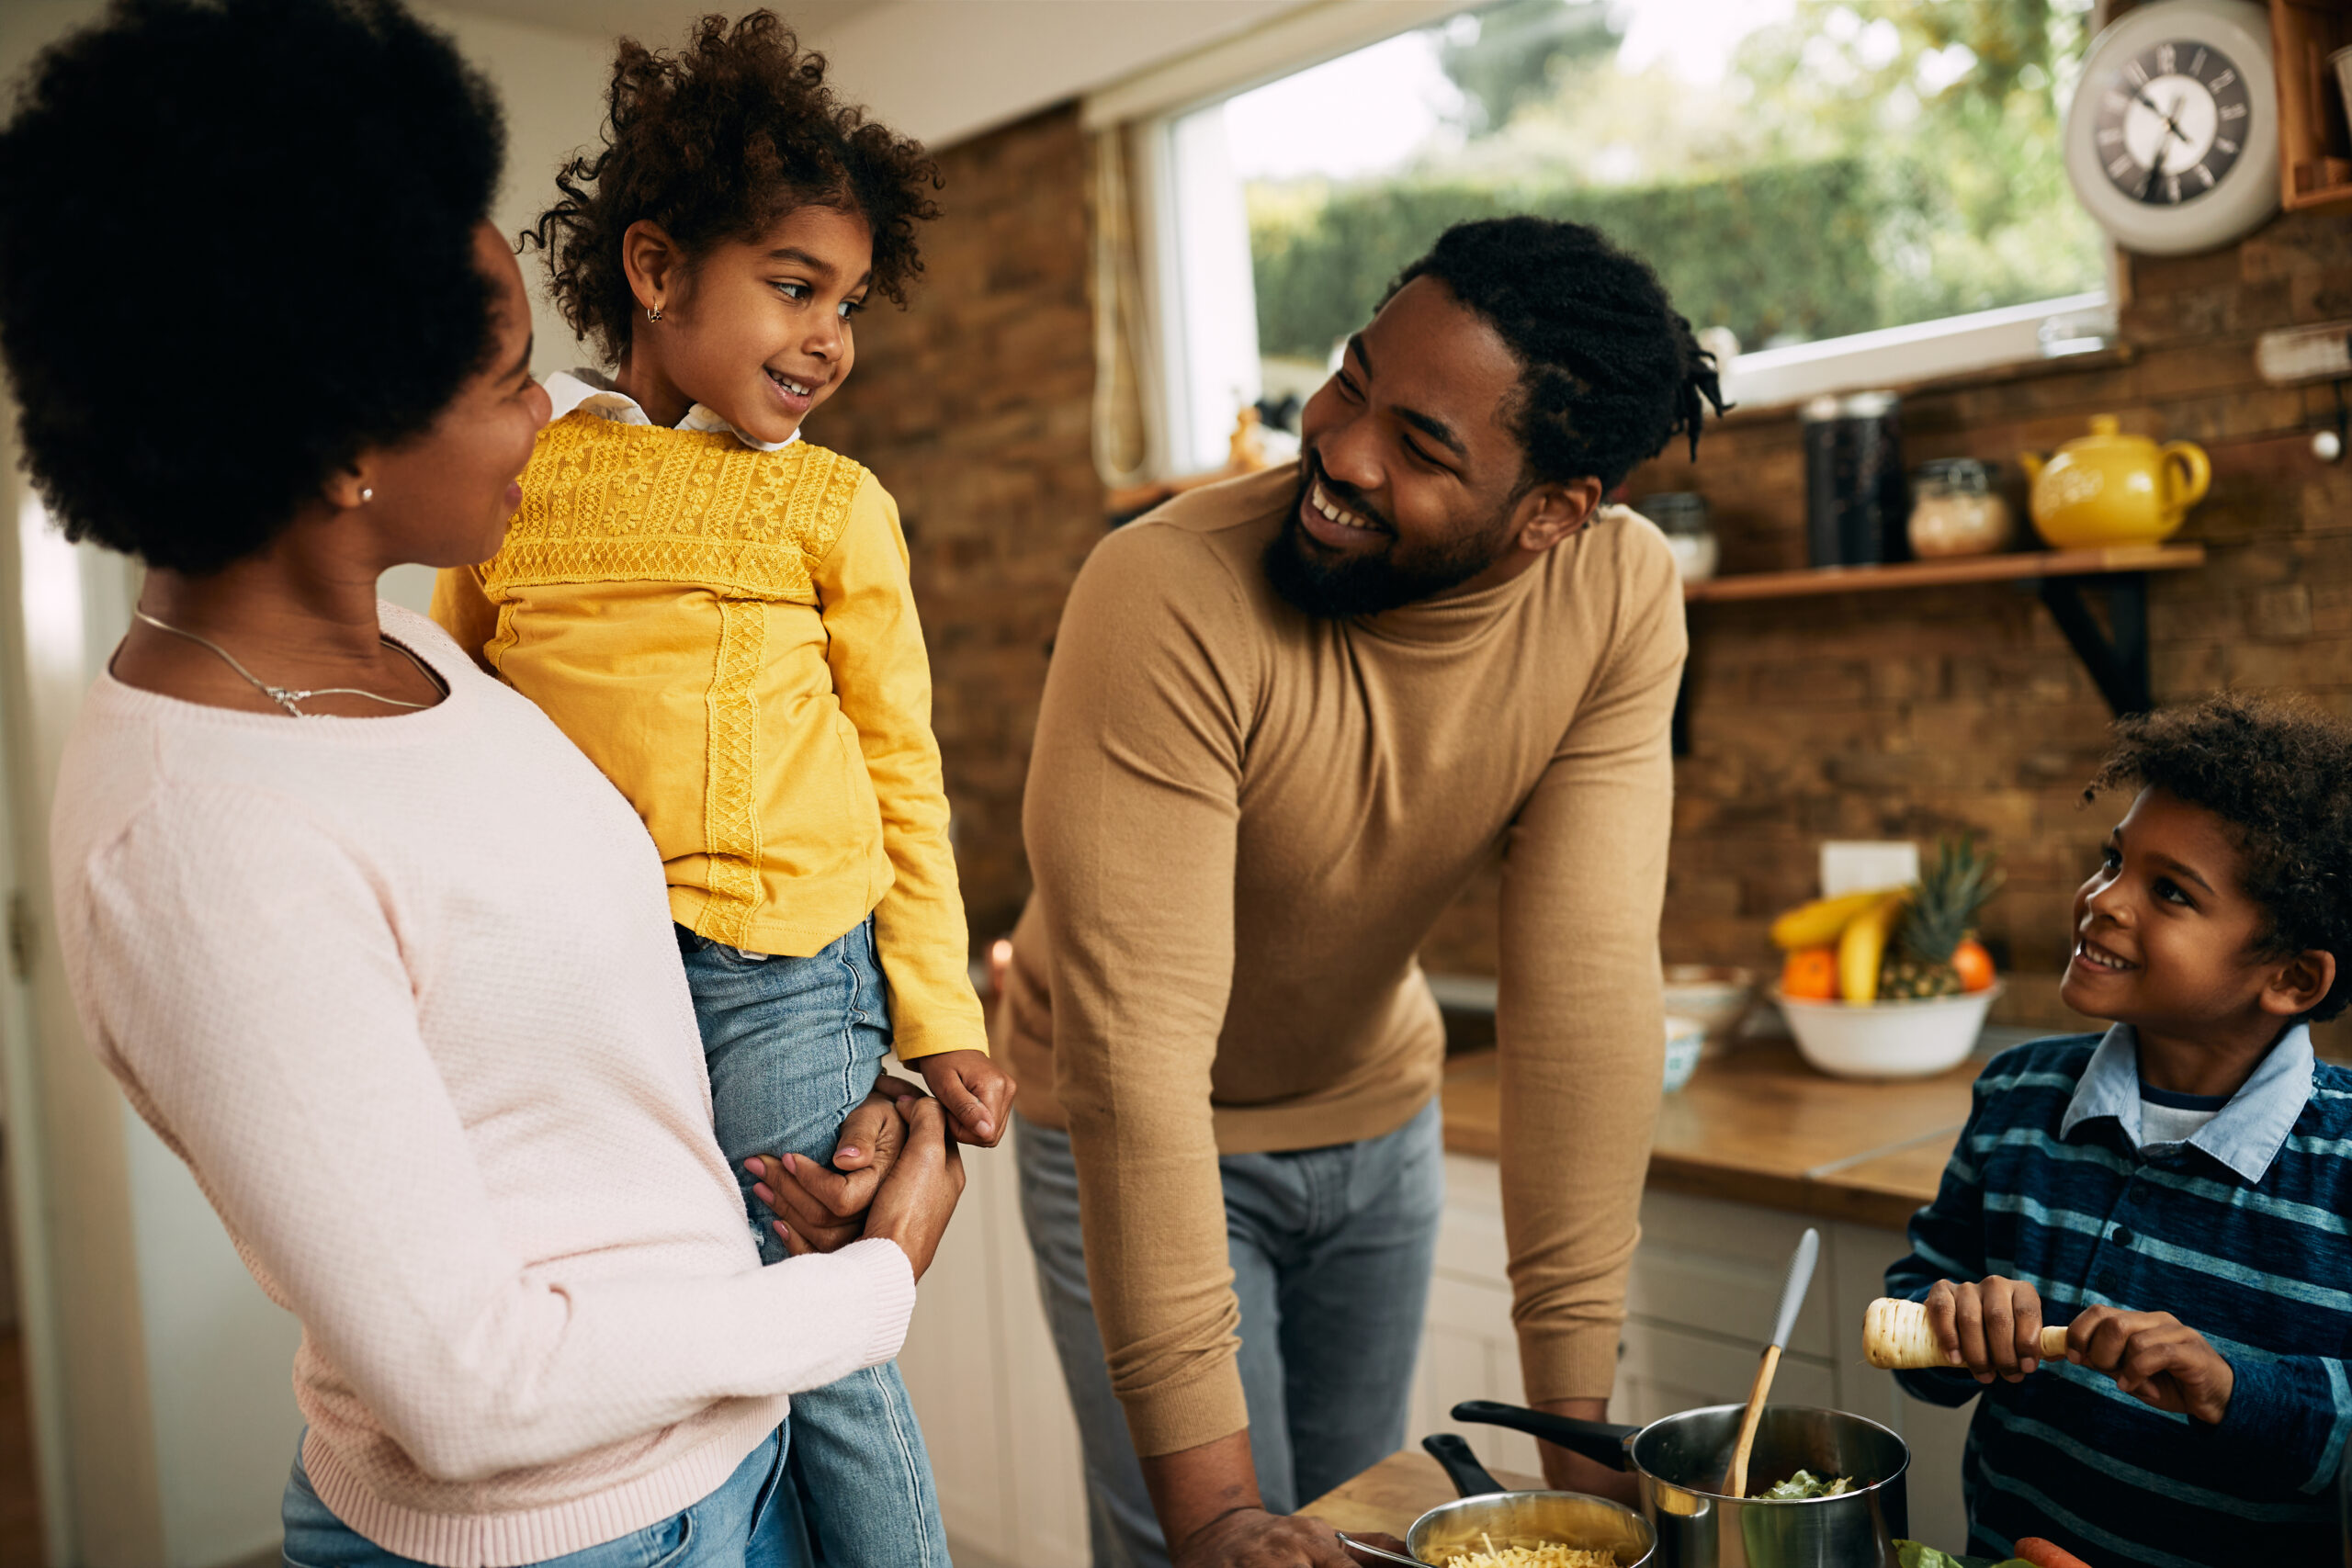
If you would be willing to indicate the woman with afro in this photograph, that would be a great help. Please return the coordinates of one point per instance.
(364, 939)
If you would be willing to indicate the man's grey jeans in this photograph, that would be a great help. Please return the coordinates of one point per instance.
(1331, 1251)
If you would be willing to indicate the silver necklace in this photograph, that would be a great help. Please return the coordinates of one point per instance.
(286, 697)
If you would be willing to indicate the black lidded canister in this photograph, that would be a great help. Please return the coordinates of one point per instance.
(1856, 497)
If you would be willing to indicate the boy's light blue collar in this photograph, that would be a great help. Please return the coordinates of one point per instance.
(593, 390)
(2245, 1135)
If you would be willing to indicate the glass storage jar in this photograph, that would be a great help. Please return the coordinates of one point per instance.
(1681, 516)
(1957, 511)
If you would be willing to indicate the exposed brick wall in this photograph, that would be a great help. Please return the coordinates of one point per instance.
(973, 407)
(1910, 714)
(1887, 715)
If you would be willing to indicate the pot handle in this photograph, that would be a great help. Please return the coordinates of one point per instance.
(1462, 1467)
(1600, 1441)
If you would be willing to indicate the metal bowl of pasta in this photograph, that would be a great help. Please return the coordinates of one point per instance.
(1490, 1528)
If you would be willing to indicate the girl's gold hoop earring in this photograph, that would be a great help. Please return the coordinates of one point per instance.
(653, 312)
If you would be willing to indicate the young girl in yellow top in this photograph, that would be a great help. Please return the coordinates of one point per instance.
(718, 612)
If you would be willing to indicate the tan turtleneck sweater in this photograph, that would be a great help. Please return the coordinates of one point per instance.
(1243, 822)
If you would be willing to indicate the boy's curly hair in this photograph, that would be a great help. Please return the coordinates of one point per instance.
(716, 142)
(2280, 776)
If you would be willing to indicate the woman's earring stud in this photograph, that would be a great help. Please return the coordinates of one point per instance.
(367, 494)
(653, 312)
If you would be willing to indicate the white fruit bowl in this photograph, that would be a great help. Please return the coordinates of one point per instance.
(1887, 1040)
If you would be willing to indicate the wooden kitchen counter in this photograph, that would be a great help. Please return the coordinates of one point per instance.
(1759, 1126)
(1389, 1496)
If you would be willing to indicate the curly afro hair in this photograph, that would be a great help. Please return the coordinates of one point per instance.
(275, 199)
(716, 142)
(1611, 373)
(2280, 777)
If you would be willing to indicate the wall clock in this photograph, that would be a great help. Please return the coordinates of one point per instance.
(2172, 140)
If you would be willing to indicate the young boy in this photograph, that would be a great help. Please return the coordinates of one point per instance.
(2193, 1166)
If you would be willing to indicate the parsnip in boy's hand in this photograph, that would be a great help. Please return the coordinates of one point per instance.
(1991, 1328)
(973, 1091)
(2155, 1357)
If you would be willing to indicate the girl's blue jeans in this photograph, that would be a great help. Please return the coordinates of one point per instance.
(793, 1046)
(741, 1525)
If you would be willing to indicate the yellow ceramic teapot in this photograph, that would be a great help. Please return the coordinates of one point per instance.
(2111, 488)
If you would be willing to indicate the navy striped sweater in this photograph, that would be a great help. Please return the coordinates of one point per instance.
(2262, 1269)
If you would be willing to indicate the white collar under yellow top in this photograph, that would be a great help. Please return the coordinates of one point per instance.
(593, 390)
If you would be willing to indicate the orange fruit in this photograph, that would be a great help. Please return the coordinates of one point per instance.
(1975, 966)
(1811, 974)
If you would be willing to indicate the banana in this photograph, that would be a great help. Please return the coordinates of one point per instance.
(1862, 946)
(1821, 922)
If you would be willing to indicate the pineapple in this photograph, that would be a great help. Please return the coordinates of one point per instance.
(1943, 908)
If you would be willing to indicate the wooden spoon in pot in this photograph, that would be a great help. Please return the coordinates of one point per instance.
(1792, 1290)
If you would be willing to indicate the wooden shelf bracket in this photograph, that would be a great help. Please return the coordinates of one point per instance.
(2116, 663)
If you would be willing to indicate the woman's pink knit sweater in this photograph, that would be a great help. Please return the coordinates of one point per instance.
(404, 994)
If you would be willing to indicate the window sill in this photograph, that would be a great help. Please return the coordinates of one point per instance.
(2003, 345)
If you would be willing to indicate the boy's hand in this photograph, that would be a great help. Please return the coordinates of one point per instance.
(972, 1089)
(1993, 1327)
(2155, 1357)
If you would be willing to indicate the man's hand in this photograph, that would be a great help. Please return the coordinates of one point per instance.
(825, 1210)
(2155, 1357)
(1210, 1511)
(1568, 1472)
(1253, 1537)
(973, 1091)
(1993, 1327)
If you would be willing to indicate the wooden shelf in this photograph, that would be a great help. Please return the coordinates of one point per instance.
(2024, 566)
(2115, 656)
(2314, 156)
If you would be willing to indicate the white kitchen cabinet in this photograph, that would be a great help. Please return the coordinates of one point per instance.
(980, 1363)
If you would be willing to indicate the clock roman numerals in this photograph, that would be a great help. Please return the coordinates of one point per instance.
(2169, 122)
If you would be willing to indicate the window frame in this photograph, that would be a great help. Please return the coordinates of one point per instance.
(1149, 106)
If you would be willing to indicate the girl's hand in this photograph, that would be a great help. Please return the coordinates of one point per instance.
(1993, 1327)
(973, 1091)
(918, 1196)
(2155, 1357)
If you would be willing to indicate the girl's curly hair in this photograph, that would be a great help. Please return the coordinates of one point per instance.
(714, 142)
(2280, 776)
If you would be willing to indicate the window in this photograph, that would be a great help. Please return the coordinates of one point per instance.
(1849, 191)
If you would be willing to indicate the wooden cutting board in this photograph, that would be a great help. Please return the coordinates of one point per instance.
(1392, 1494)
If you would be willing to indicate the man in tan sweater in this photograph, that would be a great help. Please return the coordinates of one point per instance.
(1289, 717)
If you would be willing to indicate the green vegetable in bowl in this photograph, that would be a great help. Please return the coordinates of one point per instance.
(1805, 1483)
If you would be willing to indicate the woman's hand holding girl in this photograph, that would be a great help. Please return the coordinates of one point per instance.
(918, 1197)
(826, 1208)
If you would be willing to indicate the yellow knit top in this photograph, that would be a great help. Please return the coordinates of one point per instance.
(730, 634)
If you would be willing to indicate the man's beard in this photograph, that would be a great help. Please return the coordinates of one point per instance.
(1333, 586)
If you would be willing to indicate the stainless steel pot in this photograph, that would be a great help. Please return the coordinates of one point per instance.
(1486, 1511)
(1679, 1462)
